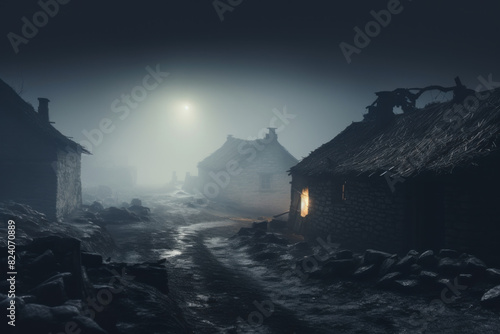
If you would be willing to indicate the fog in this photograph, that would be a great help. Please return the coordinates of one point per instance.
(236, 76)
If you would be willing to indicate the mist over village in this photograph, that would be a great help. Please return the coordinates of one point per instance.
(232, 166)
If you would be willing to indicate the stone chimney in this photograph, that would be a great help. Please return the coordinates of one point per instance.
(43, 109)
(272, 134)
(229, 137)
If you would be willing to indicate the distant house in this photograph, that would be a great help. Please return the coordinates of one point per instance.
(38, 165)
(249, 175)
(425, 179)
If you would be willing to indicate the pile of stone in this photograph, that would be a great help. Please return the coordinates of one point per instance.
(448, 272)
(133, 212)
(61, 289)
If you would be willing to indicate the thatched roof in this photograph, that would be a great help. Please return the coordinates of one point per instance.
(13, 105)
(436, 139)
(238, 150)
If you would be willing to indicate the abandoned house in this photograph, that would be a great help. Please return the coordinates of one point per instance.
(248, 175)
(38, 165)
(426, 178)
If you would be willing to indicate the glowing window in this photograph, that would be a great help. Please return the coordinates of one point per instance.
(304, 202)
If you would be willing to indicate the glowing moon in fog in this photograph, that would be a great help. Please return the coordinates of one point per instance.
(186, 107)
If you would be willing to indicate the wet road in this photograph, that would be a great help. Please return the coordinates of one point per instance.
(222, 288)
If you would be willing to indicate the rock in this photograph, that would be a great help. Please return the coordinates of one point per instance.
(46, 262)
(344, 254)
(372, 256)
(340, 267)
(136, 201)
(19, 303)
(87, 325)
(413, 253)
(37, 316)
(449, 267)
(51, 293)
(365, 272)
(96, 207)
(302, 246)
(406, 285)
(273, 239)
(388, 280)
(427, 259)
(64, 312)
(91, 260)
(451, 253)
(415, 269)
(465, 279)
(260, 225)
(387, 266)
(114, 214)
(492, 297)
(245, 231)
(474, 266)
(428, 277)
(405, 263)
(144, 211)
(493, 275)
(265, 255)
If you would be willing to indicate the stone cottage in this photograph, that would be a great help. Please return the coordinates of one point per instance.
(425, 178)
(38, 165)
(249, 175)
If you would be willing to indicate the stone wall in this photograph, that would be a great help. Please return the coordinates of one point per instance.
(243, 188)
(69, 186)
(369, 217)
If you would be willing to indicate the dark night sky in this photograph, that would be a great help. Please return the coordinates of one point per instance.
(232, 74)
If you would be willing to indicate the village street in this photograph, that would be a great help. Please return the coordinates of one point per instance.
(226, 285)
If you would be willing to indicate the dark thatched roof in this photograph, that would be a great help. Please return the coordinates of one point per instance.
(11, 103)
(435, 139)
(236, 149)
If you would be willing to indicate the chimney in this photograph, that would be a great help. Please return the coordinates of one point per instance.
(229, 137)
(272, 134)
(43, 109)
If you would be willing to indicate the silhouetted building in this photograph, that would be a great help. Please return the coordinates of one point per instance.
(423, 179)
(38, 165)
(250, 175)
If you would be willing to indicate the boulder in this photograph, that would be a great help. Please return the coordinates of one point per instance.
(474, 266)
(492, 297)
(260, 225)
(388, 280)
(340, 267)
(451, 253)
(96, 207)
(428, 278)
(87, 325)
(413, 253)
(493, 275)
(372, 256)
(344, 254)
(465, 279)
(365, 272)
(406, 285)
(64, 312)
(245, 231)
(405, 263)
(427, 259)
(36, 317)
(387, 266)
(135, 202)
(51, 293)
(449, 266)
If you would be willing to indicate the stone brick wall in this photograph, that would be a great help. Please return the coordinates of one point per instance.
(244, 190)
(69, 186)
(370, 216)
